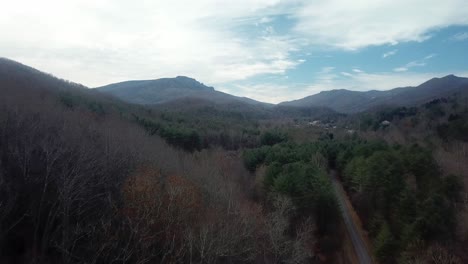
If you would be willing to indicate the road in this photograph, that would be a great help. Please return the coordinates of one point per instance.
(356, 238)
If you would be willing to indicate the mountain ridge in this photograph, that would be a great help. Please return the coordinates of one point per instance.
(347, 101)
(166, 90)
(157, 91)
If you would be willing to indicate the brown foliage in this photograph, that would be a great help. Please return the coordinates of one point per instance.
(78, 186)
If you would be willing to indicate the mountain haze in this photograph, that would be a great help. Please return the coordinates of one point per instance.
(346, 101)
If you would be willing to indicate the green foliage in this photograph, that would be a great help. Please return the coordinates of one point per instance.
(385, 179)
(407, 208)
(200, 128)
(271, 138)
(254, 157)
(290, 171)
(454, 129)
(385, 245)
(397, 113)
(345, 151)
(373, 120)
(185, 138)
(355, 174)
(408, 198)
(435, 108)
(68, 100)
(420, 163)
(366, 122)
(178, 136)
(73, 100)
(436, 219)
(452, 187)
(375, 224)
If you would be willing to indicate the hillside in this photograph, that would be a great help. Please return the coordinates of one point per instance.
(150, 92)
(188, 122)
(346, 101)
(86, 178)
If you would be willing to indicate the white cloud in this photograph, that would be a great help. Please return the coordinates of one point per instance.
(386, 80)
(327, 69)
(460, 36)
(326, 79)
(364, 82)
(390, 53)
(430, 56)
(361, 23)
(103, 41)
(417, 63)
(400, 69)
(265, 20)
(266, 92)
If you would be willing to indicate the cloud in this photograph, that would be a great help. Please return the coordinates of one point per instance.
(390, 53)
(103, 41)
(417, 63)
(386, 80)
(353, 25)
(361, 82)
(430, 56)
(326, 70)
(266, 92)
(460, 36)
(96, 42)
(326, 80)
(400, 69)
(265, 20)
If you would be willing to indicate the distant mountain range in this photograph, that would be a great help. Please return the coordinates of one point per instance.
(184, 93)
(346, 101)
(150, 92)
(180, 94)
(167, 90)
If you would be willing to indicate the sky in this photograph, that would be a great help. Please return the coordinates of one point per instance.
(268, 50)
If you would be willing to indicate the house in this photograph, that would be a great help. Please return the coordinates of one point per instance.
(385, 123)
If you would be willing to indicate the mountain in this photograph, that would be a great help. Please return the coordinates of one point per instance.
(346, 101)
(189, 96)
(150, 92)
(14, 74)
(74, 167)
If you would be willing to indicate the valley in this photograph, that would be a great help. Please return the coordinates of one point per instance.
(173, 171)
(232, 132)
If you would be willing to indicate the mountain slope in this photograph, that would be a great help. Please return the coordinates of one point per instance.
(80, 183)
(164, 90)
(188, 96)
(346, 101)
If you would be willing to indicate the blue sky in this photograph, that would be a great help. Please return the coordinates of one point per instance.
(269, 50)
(380, 67)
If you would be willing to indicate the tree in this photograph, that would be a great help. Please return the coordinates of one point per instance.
(385, 245)
(271, 138)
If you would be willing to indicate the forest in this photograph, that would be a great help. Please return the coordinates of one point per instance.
(88, 178)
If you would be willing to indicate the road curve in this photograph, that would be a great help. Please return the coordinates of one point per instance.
(358, 242)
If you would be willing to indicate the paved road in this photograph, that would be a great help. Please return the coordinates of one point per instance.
(358, 242)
